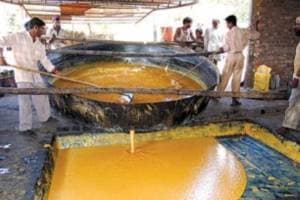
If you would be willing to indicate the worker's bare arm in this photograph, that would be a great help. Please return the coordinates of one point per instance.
(298, 73)
(296, 81)
(192, 36)
(53, 37)
(2, 60)
(57, 72)
(253, 31)
(177, 35)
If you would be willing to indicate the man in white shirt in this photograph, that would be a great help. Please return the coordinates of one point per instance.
(213, 40)
(56, 32)
(27, 51)
(292, 114)
(236, 41)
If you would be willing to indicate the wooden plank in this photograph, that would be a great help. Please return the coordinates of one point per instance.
(247, 95)
(123, 42)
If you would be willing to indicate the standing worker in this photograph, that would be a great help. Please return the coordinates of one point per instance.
(236, 41)
(292, 114)
(213, 40)
(184, 34)
(27, 51)
(56, 32)
(199, 40)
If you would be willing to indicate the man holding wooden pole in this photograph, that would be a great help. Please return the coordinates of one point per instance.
(28, 51)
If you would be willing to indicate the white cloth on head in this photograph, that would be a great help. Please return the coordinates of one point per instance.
(40, 103)
(56, 43)
(26, 53)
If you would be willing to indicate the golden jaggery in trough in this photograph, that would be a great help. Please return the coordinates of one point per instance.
(126, 75)
(194, 168)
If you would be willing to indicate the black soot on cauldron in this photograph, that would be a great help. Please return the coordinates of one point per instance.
(143, 116)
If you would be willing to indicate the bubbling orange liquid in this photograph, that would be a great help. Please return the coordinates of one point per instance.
(125, 75)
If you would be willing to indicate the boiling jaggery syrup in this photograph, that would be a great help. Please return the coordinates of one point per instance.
(127, 75)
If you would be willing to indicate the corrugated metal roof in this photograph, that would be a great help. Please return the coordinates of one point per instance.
(97, 11)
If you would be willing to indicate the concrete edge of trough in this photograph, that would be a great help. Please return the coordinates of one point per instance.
(288, 148)
(229, 129)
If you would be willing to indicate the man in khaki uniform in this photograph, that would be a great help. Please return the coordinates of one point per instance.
(236, 41)
(292, 114)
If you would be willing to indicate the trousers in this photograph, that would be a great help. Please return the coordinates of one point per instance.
(39, 102)
(234, 65)
(292, 113)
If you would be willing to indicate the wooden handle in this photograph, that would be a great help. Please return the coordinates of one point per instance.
(56, 76)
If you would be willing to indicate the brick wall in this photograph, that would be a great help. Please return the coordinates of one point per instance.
(277, 44)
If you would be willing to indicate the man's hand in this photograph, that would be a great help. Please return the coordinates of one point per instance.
(254, 26)
(221, 50)
(298, 73)
(2, 61)
(52, 39)
(57, 72)
(295, 83)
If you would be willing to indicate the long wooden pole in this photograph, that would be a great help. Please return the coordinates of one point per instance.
(93, 88)
(44, 91)
(56, 76)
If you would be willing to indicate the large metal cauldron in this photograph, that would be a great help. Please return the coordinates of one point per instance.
(143, 117)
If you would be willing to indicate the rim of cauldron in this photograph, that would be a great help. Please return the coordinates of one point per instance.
(60, 61)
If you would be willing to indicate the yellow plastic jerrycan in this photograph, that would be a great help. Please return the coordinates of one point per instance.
(262, 78)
